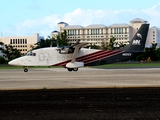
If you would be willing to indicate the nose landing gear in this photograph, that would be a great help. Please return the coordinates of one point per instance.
(25, 69)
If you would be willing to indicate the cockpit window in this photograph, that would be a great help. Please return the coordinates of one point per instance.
(30, 54)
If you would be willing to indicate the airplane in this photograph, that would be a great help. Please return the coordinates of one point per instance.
(75, 56)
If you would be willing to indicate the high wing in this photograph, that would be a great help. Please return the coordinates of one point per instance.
(77, 47)
(73, 65)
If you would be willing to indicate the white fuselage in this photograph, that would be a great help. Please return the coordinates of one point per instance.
(47, 57)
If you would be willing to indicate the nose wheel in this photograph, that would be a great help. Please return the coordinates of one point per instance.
(25, 69)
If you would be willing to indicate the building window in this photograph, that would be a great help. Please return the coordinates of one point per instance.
(115, 30)
(98, 31)
(125, 30)
(101, 31)
(88, 32)
(74, 32)
(10, 41)
(25, 41)
(13, 41)
(20, 41)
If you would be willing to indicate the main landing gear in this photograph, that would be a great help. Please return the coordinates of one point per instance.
(72, 69)
(25, 69)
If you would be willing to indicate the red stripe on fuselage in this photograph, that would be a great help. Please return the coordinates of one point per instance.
(82, 58)
(85, 56)
(92, 57)
(100, 57)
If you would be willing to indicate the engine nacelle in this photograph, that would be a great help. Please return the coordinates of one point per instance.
(74, 65)
(66, 50)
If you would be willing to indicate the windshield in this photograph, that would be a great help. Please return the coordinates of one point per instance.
(30, 53)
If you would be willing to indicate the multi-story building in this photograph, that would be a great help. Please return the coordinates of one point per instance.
(153, 36)
(98, 34)
(122, 33)
(22, 43)
(1, 46)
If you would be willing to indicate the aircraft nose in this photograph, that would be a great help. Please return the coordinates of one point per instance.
(11, 62)
(14, 62)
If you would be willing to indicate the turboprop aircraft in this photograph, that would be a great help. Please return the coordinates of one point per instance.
(74, 57)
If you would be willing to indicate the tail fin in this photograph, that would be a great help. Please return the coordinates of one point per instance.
(137, 44)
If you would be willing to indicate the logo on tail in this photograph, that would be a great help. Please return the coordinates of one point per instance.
(137, 41)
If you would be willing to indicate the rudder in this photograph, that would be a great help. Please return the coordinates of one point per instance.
(137, 44)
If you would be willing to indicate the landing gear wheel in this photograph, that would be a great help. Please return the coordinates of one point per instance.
(75, 69)
(25, 70)
(70, 69)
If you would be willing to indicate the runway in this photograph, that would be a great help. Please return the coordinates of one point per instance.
(89, 94)
(59, 78)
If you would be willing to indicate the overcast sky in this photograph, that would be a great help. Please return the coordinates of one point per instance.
(26, 17)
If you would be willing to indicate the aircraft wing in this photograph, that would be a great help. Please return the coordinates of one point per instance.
(77, 47)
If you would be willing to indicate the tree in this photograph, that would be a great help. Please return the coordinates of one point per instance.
(153, 51)
(111, 45)
(158, 54)
(45, 43)
(104, 46)
(93, 46)
(2, 60)
(11, 53)
(60, 40)
(1, 46)
(121, 44)
(149, 53)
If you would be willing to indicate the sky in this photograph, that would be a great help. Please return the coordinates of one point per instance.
(26, 17)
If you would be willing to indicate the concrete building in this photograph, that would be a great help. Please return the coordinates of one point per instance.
(54, 34)
(22, 43)
(153, 36)
(122, 33)
(1, 46)
(98, 34)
